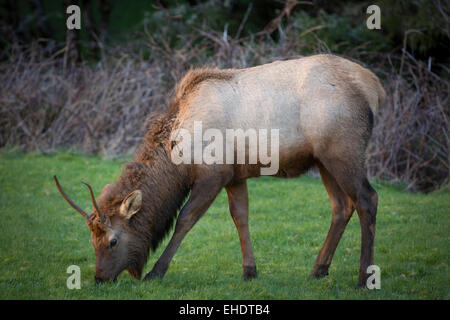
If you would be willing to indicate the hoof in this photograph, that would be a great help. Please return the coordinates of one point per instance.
(154, 275)
(249, 273)
(361, 286)
(319, 271)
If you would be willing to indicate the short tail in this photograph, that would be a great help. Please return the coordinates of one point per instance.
(375, 92)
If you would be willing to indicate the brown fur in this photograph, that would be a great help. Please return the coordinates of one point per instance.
(159, 174)
(164, 187)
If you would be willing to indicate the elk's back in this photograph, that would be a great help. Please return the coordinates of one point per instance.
(309, 100)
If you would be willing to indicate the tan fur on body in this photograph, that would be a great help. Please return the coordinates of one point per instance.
(312, 101)
(322, 105)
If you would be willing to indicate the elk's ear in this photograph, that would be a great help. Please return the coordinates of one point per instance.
(131, 204)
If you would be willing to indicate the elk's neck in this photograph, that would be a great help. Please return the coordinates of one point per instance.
(164, 188)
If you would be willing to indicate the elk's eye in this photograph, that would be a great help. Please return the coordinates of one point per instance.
(113, 242)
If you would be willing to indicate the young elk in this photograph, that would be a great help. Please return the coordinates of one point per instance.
(322, 107)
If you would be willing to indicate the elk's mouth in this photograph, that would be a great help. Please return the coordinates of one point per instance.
(99, 280)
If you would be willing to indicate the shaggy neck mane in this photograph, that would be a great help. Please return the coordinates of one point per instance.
(164, 188)
(164, 185)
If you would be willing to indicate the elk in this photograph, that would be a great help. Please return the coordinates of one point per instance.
(323, 106)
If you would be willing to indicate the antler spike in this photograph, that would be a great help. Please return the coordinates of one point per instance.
(77, 208)
(94, 203)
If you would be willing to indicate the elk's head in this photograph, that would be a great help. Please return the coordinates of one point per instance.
(114, 244)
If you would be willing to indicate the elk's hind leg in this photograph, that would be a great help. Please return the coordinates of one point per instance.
(342, 210)
(238, 203)
(352, 179)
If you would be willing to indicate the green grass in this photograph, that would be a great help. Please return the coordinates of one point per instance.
(40, 236)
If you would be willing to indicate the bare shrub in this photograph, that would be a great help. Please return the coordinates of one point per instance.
(410, 141)
(94, 109)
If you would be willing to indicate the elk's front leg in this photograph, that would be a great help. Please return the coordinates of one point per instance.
(202, 195)
(238, 203)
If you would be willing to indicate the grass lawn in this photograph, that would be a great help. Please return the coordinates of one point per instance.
(41, 235)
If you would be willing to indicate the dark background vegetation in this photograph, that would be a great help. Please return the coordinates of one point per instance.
(91, 89)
